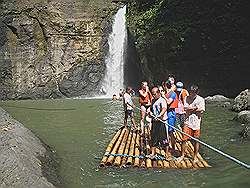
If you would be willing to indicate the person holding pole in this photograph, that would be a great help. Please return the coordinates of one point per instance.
(194, 105)
(158, 131)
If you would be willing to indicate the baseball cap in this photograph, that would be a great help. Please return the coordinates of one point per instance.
(179, 86)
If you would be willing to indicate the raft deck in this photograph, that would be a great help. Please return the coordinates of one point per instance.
(129, 149)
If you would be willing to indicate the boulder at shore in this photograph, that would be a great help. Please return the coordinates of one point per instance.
(242, 101)
(243, 117)
(24, 160)
(216, 98)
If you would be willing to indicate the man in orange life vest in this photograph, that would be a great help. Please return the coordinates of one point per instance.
(172, 102)
(145, 100)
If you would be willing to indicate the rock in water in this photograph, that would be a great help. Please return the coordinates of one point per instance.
(24, 160)
(245, 132)
(216, 98)
(243, 117)
(242, 101)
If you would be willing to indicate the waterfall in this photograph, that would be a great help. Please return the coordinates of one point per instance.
(114, 76)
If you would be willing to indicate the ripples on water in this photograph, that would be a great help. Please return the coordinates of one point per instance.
(81, 136)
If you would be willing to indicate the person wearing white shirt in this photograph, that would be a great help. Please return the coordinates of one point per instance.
(194, 106)
(159, 115)
(129, 107)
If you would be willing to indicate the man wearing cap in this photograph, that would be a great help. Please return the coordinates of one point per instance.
(181, 94)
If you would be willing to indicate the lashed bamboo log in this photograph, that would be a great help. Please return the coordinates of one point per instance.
(165, 163)
(126, 151)
(159, 162)
(109, 148)
(129, 142)
(132, 149)
(137, 151)
(143, 147)
(148, 161)
(114, 150)
(121, 148)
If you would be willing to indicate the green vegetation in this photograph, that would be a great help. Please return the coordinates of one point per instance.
(148, 23)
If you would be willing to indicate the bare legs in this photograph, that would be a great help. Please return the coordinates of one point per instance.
(133, 120)
(196, 149)
(143, 114)
(183, 150)
(132, 117)
(172, 140)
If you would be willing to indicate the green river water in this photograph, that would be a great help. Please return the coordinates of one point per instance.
(78, 130)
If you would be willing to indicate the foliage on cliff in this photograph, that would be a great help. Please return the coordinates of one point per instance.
(199, 41)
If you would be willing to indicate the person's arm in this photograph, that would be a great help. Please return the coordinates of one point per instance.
(133, 100)
(163, 110)
(162, 113)
(188, 108)
(171, 98)
(144, 94)
(169, 101)
(200, 108)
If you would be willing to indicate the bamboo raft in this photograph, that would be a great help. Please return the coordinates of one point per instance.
(129, 148)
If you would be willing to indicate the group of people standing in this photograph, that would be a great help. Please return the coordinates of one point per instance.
(162, 106)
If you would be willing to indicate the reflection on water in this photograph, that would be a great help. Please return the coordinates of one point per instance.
(80, 137)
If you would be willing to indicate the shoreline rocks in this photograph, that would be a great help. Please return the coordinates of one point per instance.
(219, 99)
(216, 98)
(242, 101)
(24, 160)
(243, 117)
(241, 104)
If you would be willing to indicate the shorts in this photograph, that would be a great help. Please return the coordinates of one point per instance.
(158, 134)
(191, 132)
(171, 120)
(144, 108)
(129, 113)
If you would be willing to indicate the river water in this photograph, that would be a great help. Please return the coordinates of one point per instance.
(78, 130)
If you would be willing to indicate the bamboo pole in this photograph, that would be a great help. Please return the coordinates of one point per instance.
(165, 163)
(132, 149)
(126, 151)
(143, 146)
(137, 152)
(121, 148)
(148, 161)
(159, 162)
(109, 148)
(117, 144)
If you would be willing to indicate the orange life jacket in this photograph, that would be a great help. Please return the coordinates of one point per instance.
(181, 96)
(144, 100)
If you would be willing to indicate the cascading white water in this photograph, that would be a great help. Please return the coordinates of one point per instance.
(114, 76)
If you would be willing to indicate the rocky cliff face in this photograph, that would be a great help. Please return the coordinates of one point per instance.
(203, 42)
(24, 160)
(53, 48)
